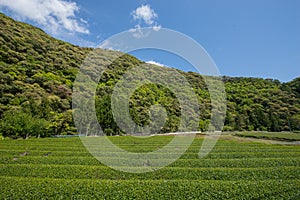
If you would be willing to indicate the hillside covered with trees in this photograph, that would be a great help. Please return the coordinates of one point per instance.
(37, 74)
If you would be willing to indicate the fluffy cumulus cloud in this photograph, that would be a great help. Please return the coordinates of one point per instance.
(53, 15)
(144, 15)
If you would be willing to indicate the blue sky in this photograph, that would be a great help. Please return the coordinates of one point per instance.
(245, 38)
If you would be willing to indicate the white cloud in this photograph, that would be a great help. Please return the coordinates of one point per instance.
(156, 27)
(155, 63)
(107, 45)
(144, 15)
(54, 15)
(137, 31)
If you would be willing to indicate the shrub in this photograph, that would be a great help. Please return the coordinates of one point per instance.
(109, 131)
(19, 124)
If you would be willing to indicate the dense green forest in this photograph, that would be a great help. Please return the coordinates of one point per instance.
(37, 74)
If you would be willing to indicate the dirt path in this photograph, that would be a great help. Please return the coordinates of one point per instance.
(249, 139)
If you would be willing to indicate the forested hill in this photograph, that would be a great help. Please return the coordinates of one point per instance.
(37, 74)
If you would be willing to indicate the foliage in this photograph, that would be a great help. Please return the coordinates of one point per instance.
(37, 74)
(20, 124)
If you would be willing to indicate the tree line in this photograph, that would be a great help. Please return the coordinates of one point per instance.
(37, 73)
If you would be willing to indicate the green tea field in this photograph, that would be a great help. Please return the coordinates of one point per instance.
(62, 168)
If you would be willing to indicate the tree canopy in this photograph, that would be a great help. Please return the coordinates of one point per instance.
(37, 74)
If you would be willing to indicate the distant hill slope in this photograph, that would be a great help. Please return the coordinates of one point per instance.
(37, 74)
(294, 85)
